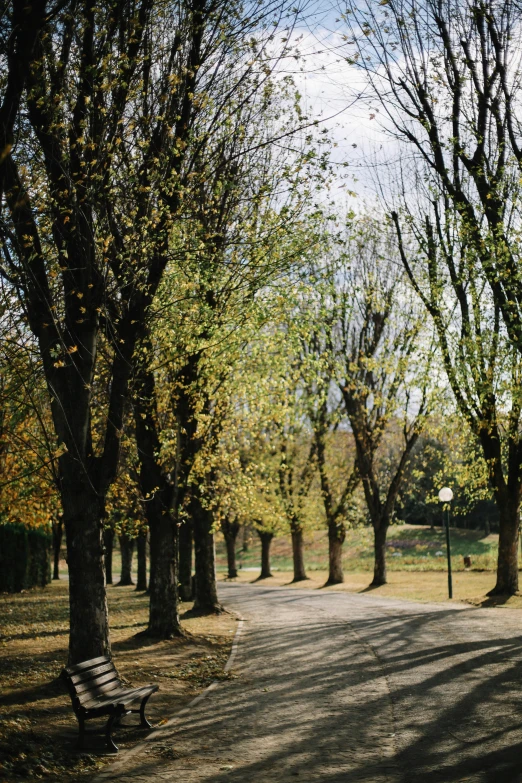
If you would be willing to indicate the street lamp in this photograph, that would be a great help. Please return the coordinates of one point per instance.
(446, 496)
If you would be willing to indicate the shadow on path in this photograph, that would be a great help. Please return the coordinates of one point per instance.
(342, 687)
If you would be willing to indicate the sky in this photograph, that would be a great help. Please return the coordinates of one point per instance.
(334, 91)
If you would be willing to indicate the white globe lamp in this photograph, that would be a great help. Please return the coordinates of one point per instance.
(445, 495)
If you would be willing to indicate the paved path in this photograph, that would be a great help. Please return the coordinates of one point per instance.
(346, 688)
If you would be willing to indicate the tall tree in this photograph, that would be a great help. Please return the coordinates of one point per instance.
(363, 348)
(234, 92)
(446, 77)
(385, 376)
(317, 318)
(482, 365)
(230, 246)
(75, 264)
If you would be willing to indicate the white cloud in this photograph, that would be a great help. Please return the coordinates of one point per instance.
(334, 91)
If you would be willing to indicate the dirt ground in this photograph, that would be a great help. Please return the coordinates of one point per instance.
(468, 586)
(38, 729)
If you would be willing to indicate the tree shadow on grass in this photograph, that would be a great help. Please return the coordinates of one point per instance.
(370, 588)
(492, 601)
(24, 696)
(34, 635)
(143, 640)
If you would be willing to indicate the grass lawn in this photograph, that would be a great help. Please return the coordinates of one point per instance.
(416, 564)
(469, 586)
(38, 729)
(410, 548)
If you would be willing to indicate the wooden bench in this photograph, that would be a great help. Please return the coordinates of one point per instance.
(96, 689)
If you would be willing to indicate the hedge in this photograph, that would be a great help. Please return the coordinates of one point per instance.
(25, 558)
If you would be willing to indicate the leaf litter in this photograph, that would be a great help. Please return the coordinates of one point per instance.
(38, 729)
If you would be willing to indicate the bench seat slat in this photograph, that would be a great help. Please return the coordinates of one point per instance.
(103, 678)
(90, 674)
(78, 667)
(125, 696)
(102, 690)
(104, 699)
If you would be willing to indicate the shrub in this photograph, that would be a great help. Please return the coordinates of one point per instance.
(25, 558)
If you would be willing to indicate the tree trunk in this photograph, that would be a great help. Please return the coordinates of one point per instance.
(152, 569)
(206, 599)
(127, 551)
(156, 487)
(336, 536)
(108, 544)
(231, 557)
(57, 545)
(379, 544)
(163, 589)
(266, 541)
(185, 561)
(298, 554)
(89, 619)
(230, 531)
(141, 547)
(507, 563)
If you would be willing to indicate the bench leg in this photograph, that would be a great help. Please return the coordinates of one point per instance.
(143, 720)
(111, 746)
(81, 732)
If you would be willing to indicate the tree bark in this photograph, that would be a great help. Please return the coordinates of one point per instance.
(185, 561)
(231, 557)
(163, 590)
(507, 564)
(206, 599)
(230, 532)
(155, 486)
(336, 536)
(89, 619)
(379, 543)
(152, 569)
(141, 546)
(266, 541)
(246, 539)
(108, 544)
(298, 554)
(57, 545)
(127, 551)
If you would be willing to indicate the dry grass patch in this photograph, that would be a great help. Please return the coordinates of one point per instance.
(37, 726)
(468, 586)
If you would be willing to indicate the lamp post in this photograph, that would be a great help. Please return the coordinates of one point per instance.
(446, 496)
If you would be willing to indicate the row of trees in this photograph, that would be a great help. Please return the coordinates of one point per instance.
(339, 399)
(190, 333)
(446, 77)
(141, 190)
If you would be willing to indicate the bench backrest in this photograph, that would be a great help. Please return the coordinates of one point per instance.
(90, 679)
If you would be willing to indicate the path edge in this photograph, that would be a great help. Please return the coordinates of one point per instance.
(112, 770)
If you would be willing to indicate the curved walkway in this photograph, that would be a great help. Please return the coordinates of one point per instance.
(346, 688)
